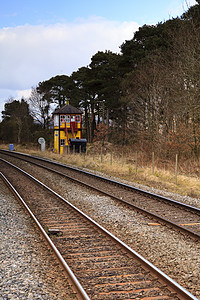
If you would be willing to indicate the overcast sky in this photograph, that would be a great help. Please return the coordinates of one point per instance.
(43, 38)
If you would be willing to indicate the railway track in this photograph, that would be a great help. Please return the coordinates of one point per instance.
(183, 217)
(102, 266)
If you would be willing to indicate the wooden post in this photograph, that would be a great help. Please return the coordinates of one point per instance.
(152, 162)
(101, 154)
(136, 162)
(85, 154)
(111, 157)
(176, 169)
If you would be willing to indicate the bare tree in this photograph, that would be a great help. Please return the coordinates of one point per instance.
(40, 108)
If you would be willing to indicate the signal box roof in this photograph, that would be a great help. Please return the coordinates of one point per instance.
(67, 109)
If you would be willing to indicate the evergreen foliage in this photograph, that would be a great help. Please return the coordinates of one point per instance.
(17, 124)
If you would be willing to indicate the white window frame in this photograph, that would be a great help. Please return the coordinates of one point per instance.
(73, 119)
(78, 119)
(56, 120)
(67, 118)
(62, 119)
(62, 142)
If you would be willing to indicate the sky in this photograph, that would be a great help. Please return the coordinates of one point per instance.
(40, 39)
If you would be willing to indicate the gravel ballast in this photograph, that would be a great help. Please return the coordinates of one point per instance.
(172, 252)
(28, 270)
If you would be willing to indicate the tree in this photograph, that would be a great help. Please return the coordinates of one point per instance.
(40, 108)
(186, 84)
(193, 14)
(162, 86)
(58, 90)
(17, 122)
(87, 87)
(105, 69)
(99, 90)
(148, 40)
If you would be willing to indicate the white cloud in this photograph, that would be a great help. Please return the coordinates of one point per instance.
(30, 54)
(177, 8)
(191, 2)
(23, 94)
(187, 3)
(33, 53)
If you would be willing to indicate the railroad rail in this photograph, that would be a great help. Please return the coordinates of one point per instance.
(102, 267)
(185, 218)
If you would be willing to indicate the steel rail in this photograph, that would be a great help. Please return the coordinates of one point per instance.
(182, 292)
(195, 209)
(147, 212)
(72, 278)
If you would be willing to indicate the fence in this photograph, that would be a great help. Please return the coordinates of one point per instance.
(131, 163)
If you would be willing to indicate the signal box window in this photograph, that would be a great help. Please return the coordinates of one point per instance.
(62, 142)
(68, 119)
(62, 119)
(78, 119)
(72, 118)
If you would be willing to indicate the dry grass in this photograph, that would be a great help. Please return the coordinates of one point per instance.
(124, 167)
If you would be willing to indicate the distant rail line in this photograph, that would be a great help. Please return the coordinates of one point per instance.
(177, 215)
(99, 265)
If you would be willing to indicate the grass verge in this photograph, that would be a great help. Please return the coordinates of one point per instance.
(126, 168)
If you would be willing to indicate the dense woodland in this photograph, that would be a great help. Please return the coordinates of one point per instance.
(147, 96)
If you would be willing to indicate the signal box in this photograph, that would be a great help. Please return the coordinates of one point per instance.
(68, 129)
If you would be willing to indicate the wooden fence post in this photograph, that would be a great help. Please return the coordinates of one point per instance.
(153, 163)
(122, 157)
(85, 154)
(101, 154)
(136, 162)
(111, 157)
(176, 169)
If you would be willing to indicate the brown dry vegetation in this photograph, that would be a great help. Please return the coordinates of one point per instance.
(127, 164)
